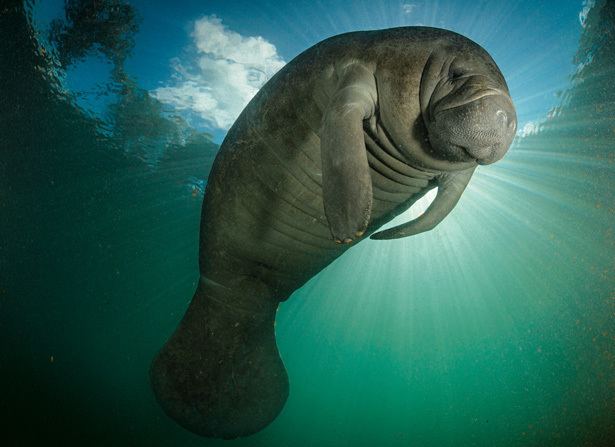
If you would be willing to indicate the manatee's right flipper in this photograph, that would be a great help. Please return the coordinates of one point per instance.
(450, 188)
(347, 185)
(220, 375)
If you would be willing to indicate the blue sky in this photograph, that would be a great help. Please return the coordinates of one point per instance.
(202, 57)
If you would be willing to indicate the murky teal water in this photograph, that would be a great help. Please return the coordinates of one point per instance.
(495, 329)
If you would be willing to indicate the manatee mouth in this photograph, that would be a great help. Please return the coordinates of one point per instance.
(483, 155)
(472, 155)
(464, 149)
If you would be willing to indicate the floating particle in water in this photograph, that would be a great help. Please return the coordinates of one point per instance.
(196, 186)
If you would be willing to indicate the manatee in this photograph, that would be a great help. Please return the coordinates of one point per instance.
(345, 137)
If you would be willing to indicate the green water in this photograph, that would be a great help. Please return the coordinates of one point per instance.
(495, 329)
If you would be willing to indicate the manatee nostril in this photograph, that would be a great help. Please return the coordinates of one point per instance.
(501, 117)
(506, 122)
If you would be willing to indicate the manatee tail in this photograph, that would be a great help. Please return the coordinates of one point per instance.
(220, 374)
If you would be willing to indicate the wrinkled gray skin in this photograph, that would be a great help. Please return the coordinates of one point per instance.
(345, 137)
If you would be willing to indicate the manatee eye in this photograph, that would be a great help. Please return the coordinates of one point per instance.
(455, 73)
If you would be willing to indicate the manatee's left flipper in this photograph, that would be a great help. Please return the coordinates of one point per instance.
(347, 185)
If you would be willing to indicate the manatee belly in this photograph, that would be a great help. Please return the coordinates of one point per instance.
(263, 213)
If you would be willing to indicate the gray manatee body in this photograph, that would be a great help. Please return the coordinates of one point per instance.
(345, 137)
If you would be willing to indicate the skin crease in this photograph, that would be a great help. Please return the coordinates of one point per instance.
(345, 137)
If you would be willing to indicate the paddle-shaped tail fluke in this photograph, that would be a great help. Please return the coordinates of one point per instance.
(220, 375)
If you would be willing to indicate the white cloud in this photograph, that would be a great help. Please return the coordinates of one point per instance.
(407, 8)
(530, 128)
(227, 72)
(587, 5)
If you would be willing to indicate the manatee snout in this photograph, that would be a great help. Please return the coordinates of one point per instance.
(482, 129)
(220, 374)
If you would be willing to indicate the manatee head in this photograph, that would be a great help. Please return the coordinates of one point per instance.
(466, 106)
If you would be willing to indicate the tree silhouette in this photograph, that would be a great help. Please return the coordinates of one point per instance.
(107, 26)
